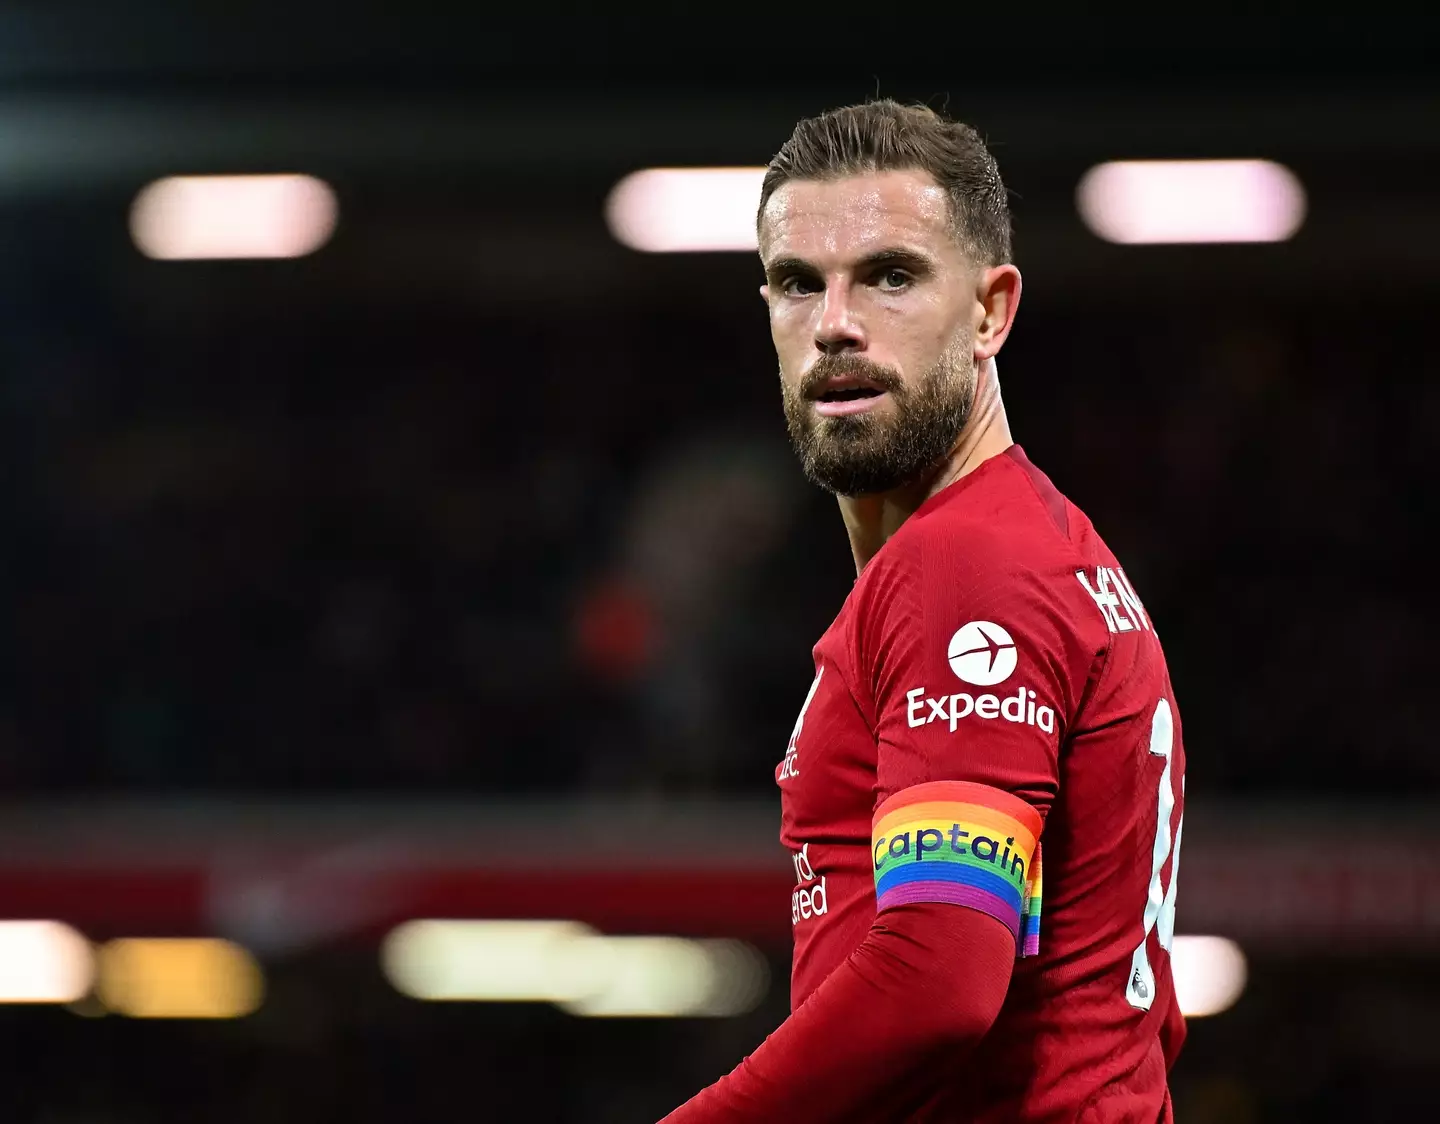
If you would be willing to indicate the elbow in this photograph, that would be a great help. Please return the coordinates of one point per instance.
(962, 1025)
(953, 966)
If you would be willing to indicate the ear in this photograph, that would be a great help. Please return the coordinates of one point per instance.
(765, 293)
(997, 297)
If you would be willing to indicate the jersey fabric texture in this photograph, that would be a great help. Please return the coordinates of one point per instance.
(991, 725)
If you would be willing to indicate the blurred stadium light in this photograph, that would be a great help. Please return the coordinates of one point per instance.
(676, 210)
(494, 961)
(1210, 974)
(186, 218)
(178, 978)
(43, 962)
(674, 977)
(1178, 201)
(573, 966)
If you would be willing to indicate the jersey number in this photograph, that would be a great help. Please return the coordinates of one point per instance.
(1160, 901)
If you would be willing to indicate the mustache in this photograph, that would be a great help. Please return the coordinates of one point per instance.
(847, 365)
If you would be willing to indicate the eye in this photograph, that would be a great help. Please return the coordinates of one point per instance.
(894, 278)
(798, 285)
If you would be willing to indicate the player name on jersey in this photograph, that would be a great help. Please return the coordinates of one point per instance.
(1115, 597)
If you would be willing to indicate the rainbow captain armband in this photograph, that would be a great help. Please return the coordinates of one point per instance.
(960, 842)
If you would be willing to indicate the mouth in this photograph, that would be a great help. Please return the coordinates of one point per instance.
(847, 395)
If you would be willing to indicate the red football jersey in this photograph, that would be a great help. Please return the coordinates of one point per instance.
(992, 724)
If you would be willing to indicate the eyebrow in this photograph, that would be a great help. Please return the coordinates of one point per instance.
(895, 255)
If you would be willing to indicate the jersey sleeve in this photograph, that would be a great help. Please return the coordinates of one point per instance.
(970, 681)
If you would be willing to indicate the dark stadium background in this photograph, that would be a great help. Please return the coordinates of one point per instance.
(461, 569)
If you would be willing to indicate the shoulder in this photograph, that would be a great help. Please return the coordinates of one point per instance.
(1004, 523)
(998, 552)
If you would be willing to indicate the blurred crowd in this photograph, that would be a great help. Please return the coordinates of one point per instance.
(452, 548)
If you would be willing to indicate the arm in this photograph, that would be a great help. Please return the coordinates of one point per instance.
(961, 800)
(928, 979)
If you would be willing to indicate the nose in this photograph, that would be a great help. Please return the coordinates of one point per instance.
(838, 329)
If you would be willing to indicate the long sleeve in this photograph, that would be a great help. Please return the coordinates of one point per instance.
(927, 981)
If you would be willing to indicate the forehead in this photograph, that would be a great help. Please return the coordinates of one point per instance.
(830, 221)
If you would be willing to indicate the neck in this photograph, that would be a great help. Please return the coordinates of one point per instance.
(871, 520)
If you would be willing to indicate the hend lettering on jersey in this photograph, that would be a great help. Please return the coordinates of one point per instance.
(1021, 708)
(1115, 597)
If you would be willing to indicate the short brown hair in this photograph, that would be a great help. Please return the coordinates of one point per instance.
(885, 136)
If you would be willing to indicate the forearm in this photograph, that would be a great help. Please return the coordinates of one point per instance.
(928, 979)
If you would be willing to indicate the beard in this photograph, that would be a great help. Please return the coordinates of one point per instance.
(880, 450)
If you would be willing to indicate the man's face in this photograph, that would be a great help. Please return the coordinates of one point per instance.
(872, 309)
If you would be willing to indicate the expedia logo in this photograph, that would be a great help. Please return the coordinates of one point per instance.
(982, 654)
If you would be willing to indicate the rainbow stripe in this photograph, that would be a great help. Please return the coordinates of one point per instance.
(960, 842)
(1030, 945)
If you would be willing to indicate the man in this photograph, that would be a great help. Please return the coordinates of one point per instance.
(991, 699)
